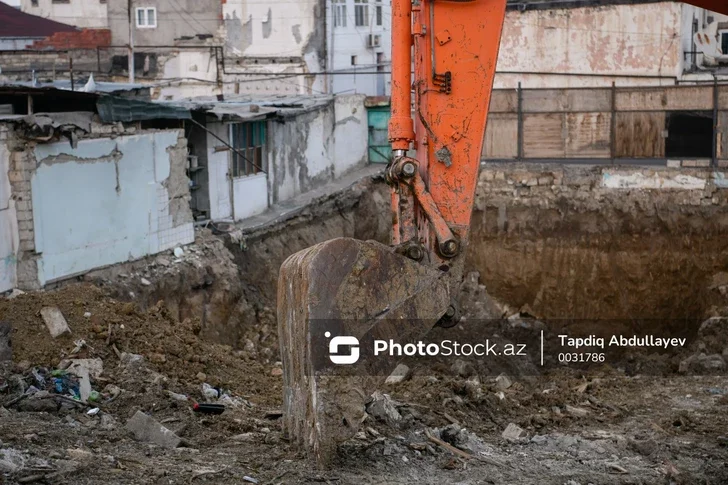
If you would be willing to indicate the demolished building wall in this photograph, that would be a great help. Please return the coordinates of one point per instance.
(120, 194)
(591, 46)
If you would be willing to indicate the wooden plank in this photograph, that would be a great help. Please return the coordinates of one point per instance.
(504, 101)
(566, 100)
(665, 98)
(543, 136)
(544, 100)
(589, 100)
(722, 97)
(501, 136)
(587, 135)
(722, 136)
(640, 135)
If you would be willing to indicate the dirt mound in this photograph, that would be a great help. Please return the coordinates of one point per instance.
(107, 326)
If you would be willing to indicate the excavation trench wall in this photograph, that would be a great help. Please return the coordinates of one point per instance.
(587, 242)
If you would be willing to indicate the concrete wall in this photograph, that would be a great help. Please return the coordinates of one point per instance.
(176, 19)
(350, 40)
(250, 195)
(8, 223)
(268, 34)
(106, 201)
(301, 155)
(351, 133)
(592, 46)
(81, 13)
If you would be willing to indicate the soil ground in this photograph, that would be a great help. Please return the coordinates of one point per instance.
(619, 429)
(205, 319)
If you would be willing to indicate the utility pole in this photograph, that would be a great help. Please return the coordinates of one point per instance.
(131, 42)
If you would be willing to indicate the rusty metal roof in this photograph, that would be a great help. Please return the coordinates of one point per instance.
(14, 23)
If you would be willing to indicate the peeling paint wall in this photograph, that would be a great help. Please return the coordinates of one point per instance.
(8, 222)
(108, 201)
(268, 34)
(315, 148)
(612, 41)
(302, 153)
(351, 133)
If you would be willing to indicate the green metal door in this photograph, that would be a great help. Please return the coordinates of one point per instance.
(380, 151)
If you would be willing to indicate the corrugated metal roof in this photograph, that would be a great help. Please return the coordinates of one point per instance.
(248, 108)
(14, 23)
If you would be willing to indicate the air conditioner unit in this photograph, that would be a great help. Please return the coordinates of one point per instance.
(374, 40)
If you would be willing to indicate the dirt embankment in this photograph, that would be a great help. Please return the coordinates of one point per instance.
(556, 239)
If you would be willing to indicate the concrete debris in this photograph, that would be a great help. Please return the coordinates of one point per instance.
(15, 293)
(177, 397)
(250, 479)
(87, 315)
(502, 383)
(132, 362)
(576, 412)
(513, 432)
(55, 321)
(12, 461)
(77, 454)
(145, 282)
(209, 392)
(473, 388)
(383, 408)
(146, 428)
(179, 252)
(400, 374)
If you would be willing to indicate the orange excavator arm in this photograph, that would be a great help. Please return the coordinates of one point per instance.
(455, 46)
(351, 291)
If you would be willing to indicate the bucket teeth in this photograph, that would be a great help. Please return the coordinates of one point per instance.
(360, 288)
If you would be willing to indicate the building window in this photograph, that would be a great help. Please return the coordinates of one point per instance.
(146, 18)
(379, 13)
(724, 43)
(249, 156)
(339, 13)
(361, 13)
(353, 60)
(35, 4)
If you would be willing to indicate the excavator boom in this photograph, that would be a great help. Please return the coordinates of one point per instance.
(359, 290)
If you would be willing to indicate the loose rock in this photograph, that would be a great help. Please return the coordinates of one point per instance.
(146, 428)
(400, 374)
(55, 321)
(514, 432)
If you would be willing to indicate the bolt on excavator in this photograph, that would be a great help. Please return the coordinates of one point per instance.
(367, 287)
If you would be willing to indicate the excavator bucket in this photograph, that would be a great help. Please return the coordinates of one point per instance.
(354, 289)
